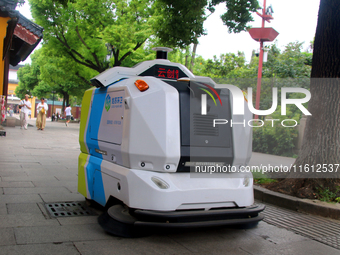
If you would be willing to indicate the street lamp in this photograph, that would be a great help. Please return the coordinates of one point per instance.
(263, 34)
(53, 102)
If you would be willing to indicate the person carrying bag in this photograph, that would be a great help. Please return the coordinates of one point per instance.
(41, 117)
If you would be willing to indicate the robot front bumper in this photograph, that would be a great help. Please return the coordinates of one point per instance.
(189, 219)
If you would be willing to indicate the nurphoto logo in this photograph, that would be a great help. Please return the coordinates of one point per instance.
(238, 105)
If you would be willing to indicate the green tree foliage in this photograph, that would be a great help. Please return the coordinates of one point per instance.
(56, 74)
(180, 22)
(292, 62)
(273, 138)
(96, 34)
(238, 13)
(222, 66)
(103, 33)
(291, 68)
(28, 77)
(51, 72)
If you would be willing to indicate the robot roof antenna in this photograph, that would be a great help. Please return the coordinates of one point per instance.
(162, 52)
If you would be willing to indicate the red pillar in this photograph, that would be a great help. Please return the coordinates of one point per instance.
(262, 35)
(259, 78)
(259, 74)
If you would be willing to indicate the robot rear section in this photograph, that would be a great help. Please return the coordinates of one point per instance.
(200, 140)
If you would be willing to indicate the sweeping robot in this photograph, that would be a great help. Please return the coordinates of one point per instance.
(150, 152)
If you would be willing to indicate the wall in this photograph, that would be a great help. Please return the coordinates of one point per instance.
(11, 88)
(3, 32)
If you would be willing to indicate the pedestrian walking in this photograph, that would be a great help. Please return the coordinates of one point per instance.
(25, 107)
(41, 114)
(68, 114)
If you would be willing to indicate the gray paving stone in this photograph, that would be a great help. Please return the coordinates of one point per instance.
(40, 249)
(309, 247)
(7, 155)
(31, 166)
(35, 190)
(220, 241)
(55, 183)
(27, 160)
(73, 188)
(52, 234)
(3, 209)
(28, 178)
(50, 163)
(66, 177)
(24, 208)
(276, 235)
(6, 237)
(16, 184)
(33, 198)
(62, 197)
(10, 173)
(64, 173)
(147, 245)
(25, 220)
(7, 170)
(40, 170)
(10, 168)
(77, 220)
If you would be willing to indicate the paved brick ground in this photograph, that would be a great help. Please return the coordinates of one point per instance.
(38, 167)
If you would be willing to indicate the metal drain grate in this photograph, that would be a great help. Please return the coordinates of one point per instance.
(316, 228)
(69, 209)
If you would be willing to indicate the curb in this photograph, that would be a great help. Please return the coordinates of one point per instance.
(309, 206)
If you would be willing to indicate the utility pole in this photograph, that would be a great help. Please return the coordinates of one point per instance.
(262, 35)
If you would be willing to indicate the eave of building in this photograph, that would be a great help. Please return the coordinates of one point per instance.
(7, 9)
(26, 37)
(22, 34)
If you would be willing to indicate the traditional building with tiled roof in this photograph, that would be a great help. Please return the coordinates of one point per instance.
(18, 38)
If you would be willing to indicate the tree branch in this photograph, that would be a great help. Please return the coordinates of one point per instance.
(82, 78)
(71, 52)
(130, 52)
(93, 54)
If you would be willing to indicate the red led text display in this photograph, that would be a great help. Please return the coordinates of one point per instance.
(168, 73)
(164, 72)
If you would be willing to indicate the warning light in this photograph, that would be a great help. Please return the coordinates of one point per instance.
(141, 85)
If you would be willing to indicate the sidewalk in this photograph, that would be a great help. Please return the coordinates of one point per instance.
(39, 167)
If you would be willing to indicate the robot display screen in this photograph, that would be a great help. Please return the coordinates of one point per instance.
(164, 72)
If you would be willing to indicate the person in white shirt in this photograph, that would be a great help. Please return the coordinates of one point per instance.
(68, 114)
(42, 109)
(25, 106)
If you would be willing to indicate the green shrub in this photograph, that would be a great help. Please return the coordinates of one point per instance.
(324, 194)
(276, 139)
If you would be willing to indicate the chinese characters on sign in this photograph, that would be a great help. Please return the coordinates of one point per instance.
(117, 102)
(167, 73)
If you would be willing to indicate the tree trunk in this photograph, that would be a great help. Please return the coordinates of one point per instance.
(321, 142)
(193, 56)
(186, 60)
(63, 106)
(67, 99)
